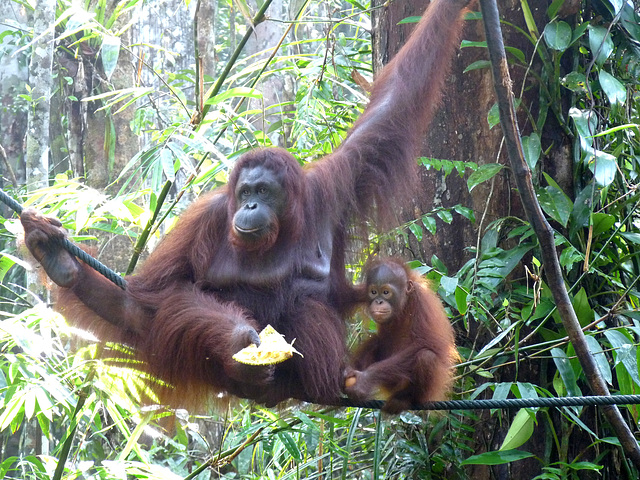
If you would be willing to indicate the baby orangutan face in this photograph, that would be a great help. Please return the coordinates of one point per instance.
(388, 288)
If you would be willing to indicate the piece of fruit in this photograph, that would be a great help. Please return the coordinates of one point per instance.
(273, 349)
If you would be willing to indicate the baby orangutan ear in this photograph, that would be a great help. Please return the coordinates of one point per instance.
(410, 286)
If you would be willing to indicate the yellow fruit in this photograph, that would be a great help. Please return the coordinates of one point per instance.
(273, 349)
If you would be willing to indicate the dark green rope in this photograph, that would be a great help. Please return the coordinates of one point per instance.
(72, 248)
(10, 202)
(508, 403)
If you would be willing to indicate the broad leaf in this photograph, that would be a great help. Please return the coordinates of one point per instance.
(604, 167)
(600, 43)
(532, 149)
(109, 54)
(566, 372)
(558, 35)
(497, 458)
(520, 430)
(613, 88)
(482, 174)
(586, 122)
(601, 360)
(625, 352)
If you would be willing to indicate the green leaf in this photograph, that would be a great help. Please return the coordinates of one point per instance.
(413, 19)
(502, 390)
(585, 466)
(566, 372)
(290, 444)
(470, 43)
(528, 18)
(575, 81)
(532, 149)
(626, 386)
(517, 53)
(617, 5)
(466, 212)
(234, 92)
(445, 216)
(585, 121)
(497, 457)
(480, 64)
(429, 223)
(613, 88)
(29, 403)
(582, 308)
(631, 237)
(554, 7)
(601, 359)
(527, 390)
(182, 157)
(6, 262)
(520, 430)
(482, 174)
(166, 159)
(629, 19)
(493, 117)
(12, 409)
(554, 204)
(44, 423)
(581, 209)
(600, 43)
(44, 403)
(461, 300)
(558, 35)
(604, 167)
(625, 352)
(109, 54)
(602, 222)
(449, 284)
(416, 230)
(558, 205)
(617, 128)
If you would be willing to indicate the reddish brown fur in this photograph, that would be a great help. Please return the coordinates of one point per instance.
(411, 358)
(201, 294)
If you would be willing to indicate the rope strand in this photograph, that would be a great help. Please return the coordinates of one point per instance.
(508, 403)
(72, 248)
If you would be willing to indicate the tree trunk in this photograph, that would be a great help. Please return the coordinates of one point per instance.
(13, 120)
(41, 82)
(274, 87)
(459, 132)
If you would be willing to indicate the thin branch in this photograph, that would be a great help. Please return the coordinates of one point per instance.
(5, 160)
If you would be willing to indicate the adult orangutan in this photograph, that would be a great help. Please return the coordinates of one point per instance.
(410, 359)
(269, 248)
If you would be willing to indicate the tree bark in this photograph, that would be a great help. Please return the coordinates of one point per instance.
(13, 121)
(41, 82)
(274, 90)
(459, 132)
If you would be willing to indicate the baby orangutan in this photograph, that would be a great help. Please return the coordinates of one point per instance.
(411, 358)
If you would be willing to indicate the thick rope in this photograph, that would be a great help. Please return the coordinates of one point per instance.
(508, 403)
(72, 248)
